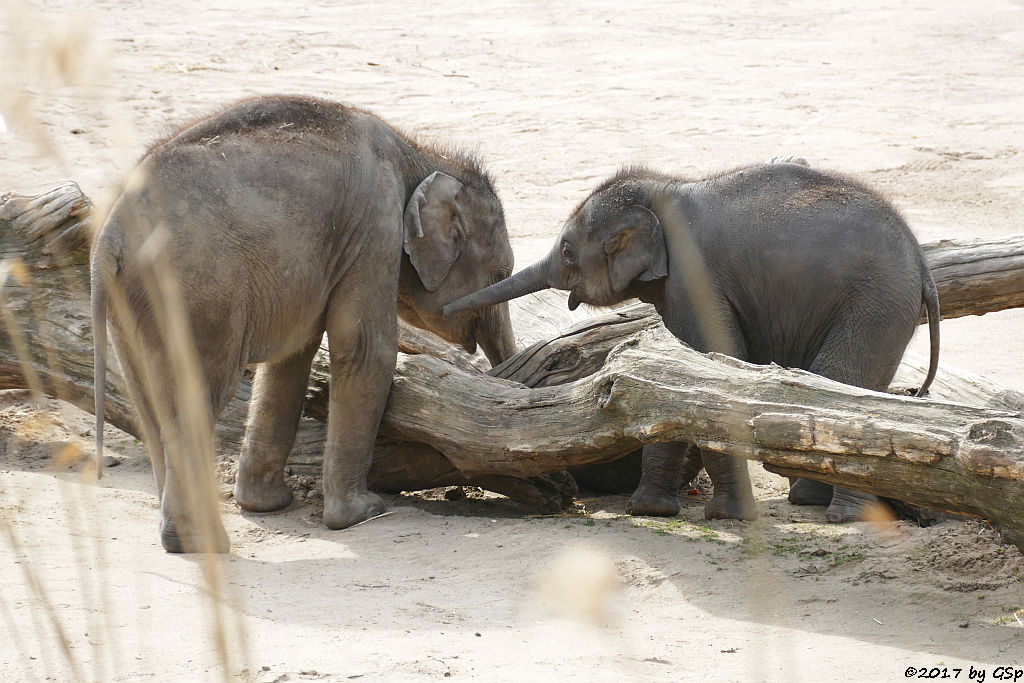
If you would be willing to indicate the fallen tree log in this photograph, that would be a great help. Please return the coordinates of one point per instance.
(977, 276)
(652, 388)
(446, 424)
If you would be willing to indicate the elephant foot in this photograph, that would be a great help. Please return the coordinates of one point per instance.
(849, 506)
(213, 540)
(727, 505)
(733, 497)
(654, 503)
(261, 496)
(343, 512)
(810, 492)
(923, 517)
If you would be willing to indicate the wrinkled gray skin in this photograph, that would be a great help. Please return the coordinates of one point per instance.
(288, 217)
(773, 263)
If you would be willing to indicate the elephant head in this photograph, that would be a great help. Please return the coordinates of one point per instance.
(456, 243)
(611, 246)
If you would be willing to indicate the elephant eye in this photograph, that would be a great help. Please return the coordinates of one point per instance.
(568, 254)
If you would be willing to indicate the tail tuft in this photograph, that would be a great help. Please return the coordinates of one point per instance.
(930, 295)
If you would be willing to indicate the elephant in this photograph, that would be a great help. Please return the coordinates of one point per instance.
(772, 263)
(257, 229)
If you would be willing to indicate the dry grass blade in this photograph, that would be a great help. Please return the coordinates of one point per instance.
(40, 594)
(684, 251)
(60, 52)
(12, 628)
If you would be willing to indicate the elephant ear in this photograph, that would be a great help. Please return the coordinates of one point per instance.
(636, 249)
(434, 228)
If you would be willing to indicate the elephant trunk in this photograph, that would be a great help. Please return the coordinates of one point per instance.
(531, 279)
(494, 334)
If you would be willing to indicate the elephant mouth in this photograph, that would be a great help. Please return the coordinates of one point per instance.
(574, 300)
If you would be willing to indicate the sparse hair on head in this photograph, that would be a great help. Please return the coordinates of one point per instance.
(474, 174)
(630, 180)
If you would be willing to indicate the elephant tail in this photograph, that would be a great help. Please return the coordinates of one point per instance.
(103, 268)
(930, 294)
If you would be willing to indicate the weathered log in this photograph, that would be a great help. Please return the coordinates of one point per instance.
(977, 276)
(495, 431)
(651, 388)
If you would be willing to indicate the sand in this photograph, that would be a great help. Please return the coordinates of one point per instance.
(922, 100)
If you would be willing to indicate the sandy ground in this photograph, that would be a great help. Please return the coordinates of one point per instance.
(924, 100)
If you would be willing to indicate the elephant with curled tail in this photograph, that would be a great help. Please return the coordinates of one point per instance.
(773, 263)
(244, 237)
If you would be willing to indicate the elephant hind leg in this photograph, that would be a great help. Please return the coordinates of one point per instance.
(190, 502)
(848, 505)
(865, 346)
(278, 394)
(178, 432)
(145, 410)
(863, 351)
(658, 492)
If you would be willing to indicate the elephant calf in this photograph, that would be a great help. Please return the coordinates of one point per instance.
(773, 263)
(276, 220)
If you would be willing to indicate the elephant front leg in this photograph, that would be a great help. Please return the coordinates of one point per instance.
(809, 492)
(362, 365)
(278, 393)
(733, 497)
(658, 491)
(848, 505)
